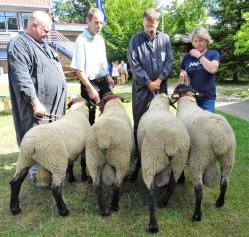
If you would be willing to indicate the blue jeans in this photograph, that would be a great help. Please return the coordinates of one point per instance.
(208, 105)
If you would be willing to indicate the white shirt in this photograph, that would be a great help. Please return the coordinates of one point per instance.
(90, 55)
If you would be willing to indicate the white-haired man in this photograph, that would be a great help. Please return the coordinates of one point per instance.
(36, 80)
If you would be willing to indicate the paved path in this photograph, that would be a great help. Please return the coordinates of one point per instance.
(231, 105)
(236, 108)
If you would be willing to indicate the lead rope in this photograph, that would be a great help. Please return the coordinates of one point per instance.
(51, 117)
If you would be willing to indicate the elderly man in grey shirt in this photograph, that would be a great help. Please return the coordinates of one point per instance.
(151, 60)
(36, 80)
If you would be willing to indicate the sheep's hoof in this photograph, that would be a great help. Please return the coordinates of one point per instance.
(64, 212)
(90, 180)
(181, 180)
(71, 179)
(132, 178)
(196, 217)
(163, 204)
(104, 212)
(153, 228)
(85, 178)
(219, 202)
(16, 210)
(114, 207)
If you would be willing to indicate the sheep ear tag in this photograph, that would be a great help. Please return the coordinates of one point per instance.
(192, 99)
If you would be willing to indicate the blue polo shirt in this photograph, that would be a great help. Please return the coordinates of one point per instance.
(200, 79)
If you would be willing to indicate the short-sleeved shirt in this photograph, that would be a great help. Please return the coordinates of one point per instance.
(90, 55)
(200, 79)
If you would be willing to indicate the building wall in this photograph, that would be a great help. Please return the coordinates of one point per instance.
(4, 65)
(65, 61)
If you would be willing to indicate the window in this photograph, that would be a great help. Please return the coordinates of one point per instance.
(8, 21)
(2, 22)
(25, 16)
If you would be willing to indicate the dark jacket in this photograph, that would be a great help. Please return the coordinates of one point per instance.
(34, 72)
(149, 60)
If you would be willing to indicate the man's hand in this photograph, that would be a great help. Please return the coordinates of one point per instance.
(155, 85)
(93, 94)
(110, 80)
(38, 108)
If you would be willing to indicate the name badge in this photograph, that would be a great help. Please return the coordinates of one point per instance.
(163, 54)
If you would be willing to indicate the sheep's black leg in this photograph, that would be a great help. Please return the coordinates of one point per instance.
(198, 198)
(104, 211)
(57, 193)
(169, 190)
(71, 177)
(15, 187)
(84, 176)
(181, 179)
(223, 187)
(115, 198)
(153, 227)
(133, 176)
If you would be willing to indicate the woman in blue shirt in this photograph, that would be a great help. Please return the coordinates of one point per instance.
(199, 67)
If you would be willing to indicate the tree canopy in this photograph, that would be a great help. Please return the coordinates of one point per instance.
(72, 11)
(229, 20)
(230, 30)
(242, 37)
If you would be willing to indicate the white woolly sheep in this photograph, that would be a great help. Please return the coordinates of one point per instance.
(108, 149)
(163, 142)
(52, 146)
(211, 139)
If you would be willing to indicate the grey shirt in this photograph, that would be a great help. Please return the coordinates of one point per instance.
(34, 72)
(149, 60)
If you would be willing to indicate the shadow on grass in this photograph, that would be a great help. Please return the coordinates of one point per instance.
(3, 113)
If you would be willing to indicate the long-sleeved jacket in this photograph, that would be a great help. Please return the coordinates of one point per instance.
(149, 60)
(34, 72)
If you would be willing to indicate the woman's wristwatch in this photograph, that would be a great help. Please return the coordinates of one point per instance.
(201, 56)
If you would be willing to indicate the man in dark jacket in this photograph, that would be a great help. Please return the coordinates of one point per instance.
(150, 58)
(36, 80)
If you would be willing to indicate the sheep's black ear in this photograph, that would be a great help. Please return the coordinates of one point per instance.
(75, 100)
(107, 94)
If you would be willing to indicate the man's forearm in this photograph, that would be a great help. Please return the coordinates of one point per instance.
(85, 81)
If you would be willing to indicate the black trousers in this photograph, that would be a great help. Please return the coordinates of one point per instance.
(102, 86)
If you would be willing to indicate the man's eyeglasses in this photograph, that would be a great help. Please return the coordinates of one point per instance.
(150, 27)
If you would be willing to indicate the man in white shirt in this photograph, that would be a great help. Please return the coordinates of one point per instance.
(90, 61)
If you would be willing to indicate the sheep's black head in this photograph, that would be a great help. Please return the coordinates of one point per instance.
(183, 90)
(76, 103)
(106, 97)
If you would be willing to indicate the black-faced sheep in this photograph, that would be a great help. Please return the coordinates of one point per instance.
(163, 142)
(211, 139)
(108, 149)
(52, 146)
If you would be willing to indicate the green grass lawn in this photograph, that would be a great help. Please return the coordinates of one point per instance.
(39, 215)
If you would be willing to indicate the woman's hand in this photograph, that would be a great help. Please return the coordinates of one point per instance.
(183, 77)
(195, 53)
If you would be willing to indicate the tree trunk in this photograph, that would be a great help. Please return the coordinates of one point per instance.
(235, 76)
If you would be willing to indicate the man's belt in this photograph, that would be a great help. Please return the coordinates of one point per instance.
(97, 79)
